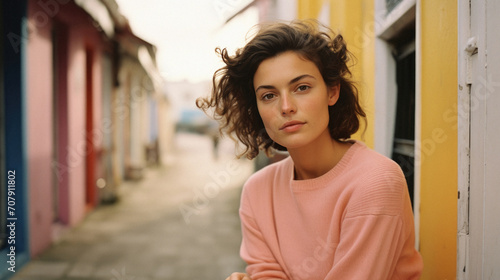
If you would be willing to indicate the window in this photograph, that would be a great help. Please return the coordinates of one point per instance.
(391, 4)
(404, 132)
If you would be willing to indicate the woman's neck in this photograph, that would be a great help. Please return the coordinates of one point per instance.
(315, 160)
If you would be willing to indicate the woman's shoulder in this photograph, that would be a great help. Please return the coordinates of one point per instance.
(264, 177)
(380, 184)
(272, 170)
(257, 194)
(366, 161)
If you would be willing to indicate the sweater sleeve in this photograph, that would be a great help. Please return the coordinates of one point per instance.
(367, 248)
(255, 250)
(376, 239)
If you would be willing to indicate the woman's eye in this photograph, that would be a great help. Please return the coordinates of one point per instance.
(303, 88)
(267, 96)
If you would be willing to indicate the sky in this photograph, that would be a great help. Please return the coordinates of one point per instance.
(186, 33)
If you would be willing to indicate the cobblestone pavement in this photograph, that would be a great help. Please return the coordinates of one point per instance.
(180, 222)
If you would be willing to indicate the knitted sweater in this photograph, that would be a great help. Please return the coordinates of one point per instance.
(355, 222)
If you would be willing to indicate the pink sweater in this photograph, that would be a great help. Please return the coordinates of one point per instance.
(355, 222)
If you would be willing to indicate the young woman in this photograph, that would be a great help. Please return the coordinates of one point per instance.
(334, 209)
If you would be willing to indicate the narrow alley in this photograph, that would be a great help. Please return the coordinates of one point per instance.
(180, 222)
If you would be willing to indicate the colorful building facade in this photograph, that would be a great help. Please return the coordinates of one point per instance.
(76, 82)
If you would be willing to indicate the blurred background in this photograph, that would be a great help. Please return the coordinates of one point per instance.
(109, 171)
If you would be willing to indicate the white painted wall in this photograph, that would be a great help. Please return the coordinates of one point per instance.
(285, 10)
(479, 100)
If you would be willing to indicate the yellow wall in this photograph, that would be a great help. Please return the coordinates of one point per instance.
(354, 20)
(309, 9)
(438, 180)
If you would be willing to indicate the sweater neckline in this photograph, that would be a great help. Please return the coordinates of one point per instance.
(325, 179)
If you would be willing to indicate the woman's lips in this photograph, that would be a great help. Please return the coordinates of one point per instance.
(292, 126)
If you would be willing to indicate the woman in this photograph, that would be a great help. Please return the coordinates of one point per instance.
(334, 209)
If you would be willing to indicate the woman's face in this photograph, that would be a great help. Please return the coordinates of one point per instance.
(293, 100)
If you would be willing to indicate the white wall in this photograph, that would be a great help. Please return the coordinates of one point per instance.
(479, 150)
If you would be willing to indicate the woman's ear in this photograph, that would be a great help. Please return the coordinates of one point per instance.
(333, 94)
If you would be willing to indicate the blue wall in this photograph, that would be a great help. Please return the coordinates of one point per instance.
(13, 60)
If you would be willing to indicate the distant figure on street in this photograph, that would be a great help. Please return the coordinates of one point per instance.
(334, 209)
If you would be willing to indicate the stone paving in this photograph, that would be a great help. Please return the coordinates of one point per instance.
(180, 222)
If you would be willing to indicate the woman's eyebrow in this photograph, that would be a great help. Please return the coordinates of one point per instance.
(296, 79)
(292, 81)
(264, 87)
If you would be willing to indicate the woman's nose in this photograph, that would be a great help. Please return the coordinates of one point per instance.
(287, 105)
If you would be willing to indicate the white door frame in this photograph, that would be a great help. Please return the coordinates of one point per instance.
(478, 242)
(463, 134)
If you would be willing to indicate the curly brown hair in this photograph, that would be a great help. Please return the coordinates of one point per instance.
(233, 97)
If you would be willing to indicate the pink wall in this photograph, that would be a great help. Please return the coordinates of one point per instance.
(76, 130)
(82, 38)
(72, 154)
(39, 108)
(98, 131)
